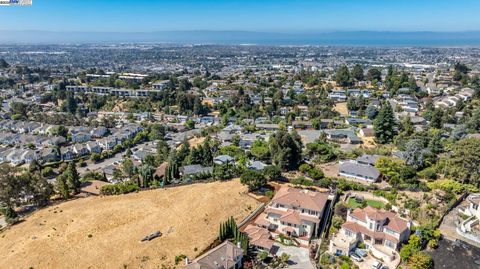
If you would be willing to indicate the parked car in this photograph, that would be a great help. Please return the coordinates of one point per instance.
(384, 267)
(355, 257)
(361, 252)
(376, 265)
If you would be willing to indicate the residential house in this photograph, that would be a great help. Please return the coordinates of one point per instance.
(295, 213)
(67, 154)
(223, 159)
(367, 159)
(343, 135)
(80, 137)
(108, 143)
(195, 169)
(225, 256)
(366, 132)
(80, 150)
(382, 232)
(256, 165)
(94, 147)
(99, 132)
(260, 238)
(353, 169)
(48, 155)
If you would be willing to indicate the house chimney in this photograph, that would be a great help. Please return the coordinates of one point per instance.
(186, 261)
(239, 244)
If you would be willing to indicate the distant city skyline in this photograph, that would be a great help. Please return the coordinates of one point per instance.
(243, 15)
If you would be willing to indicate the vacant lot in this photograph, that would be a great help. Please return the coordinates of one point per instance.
(105, 232)
(341, 108)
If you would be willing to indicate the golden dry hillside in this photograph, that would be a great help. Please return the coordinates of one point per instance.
(105, 232)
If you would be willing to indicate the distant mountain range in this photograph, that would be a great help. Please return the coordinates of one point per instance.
(360, 38)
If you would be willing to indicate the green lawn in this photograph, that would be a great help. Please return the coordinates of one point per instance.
(373, 203)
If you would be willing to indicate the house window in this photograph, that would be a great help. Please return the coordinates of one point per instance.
(348, 233)
(389, 244)
(475, 206)
(370, 226)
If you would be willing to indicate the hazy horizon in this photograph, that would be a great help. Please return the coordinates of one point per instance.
(356, 38)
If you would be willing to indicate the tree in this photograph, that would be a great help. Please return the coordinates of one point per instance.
(374, 74)
(10, 187)
(385, 125)
(272, 172)
(371, 112)
(253, 179)
(4, 64)
(473, 123)
(357, 72)
(260, 150)
(95, 157)
(71, 104)
(316, 173)
(146, 171)
(420, 260)
(128, 168)
(286, 149)
(415, 154)
(436, 121)
(343, 77)
(61, 131)
(39, 188)
(413, 246)
(459, 132)
(463, 161)
(73, 178)
(62, 186)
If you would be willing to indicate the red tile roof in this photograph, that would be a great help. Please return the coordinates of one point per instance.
(301, 198)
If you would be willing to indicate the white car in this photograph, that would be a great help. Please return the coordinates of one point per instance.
(355, 257)
(376, 265)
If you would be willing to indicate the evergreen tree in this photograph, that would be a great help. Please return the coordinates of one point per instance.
(73, 178)
(62, 186)
(357, 72)
(343, 77)
(384, 125)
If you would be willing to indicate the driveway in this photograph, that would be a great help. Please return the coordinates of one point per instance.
(369, 260)
(299, 258)
(100, 165)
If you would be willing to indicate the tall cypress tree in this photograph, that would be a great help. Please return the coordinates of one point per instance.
(385, 125)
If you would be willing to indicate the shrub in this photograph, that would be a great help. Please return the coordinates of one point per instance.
(433, 243)
(47, 172)
(180, 258)
(269, 194)
(316, 173)
(304, 168)
(119, 188)
(450, 185)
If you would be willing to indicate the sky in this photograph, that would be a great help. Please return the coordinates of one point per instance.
(243, 15)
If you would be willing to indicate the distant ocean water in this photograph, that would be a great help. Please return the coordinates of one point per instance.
(360, 38)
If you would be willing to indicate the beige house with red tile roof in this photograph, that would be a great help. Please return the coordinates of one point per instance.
(259, 237)
(295, 213)
(381, 231)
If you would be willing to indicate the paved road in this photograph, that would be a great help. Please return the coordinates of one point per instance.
(97, 166)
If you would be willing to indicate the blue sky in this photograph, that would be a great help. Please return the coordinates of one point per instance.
(249, 15)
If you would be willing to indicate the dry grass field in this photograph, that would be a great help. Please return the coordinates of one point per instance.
(105, 232)
(341, 108)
